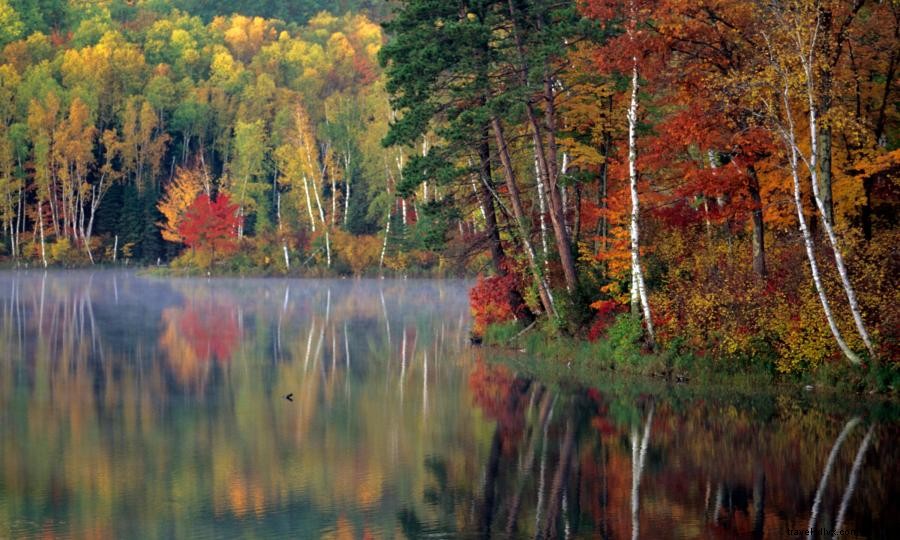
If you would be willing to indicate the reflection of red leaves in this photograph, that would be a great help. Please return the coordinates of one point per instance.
(490, 385)
(212, 330)
(496, 392)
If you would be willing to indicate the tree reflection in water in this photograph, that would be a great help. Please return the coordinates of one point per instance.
(134, 407)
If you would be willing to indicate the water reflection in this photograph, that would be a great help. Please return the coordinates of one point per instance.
(622, 463)
(135, 407)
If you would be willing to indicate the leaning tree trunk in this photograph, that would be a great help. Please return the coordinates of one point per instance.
(491, 230)
(547, 160)
(519, 214)
(826, 222)
(807, 237)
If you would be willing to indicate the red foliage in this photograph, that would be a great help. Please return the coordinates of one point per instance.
(606, 314)
(210, 225)
(489, 301)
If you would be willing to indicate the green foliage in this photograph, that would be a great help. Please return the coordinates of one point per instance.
(501, 334)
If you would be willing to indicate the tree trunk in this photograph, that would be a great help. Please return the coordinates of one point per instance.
(490, 223)
(387, 232)
(542, 208)
(758, 235)
(312, 219)
(509, 173)
(547, 162)
(40, 219)
(637, 273)
(547, 159)
(826, 224)
(807, 237)
(825, 181)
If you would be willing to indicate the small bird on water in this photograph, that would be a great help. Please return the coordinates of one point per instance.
(289, 397)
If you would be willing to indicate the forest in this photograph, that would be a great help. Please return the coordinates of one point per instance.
(713, 176)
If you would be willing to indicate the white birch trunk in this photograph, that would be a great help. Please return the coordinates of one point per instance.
(637, 273)
(40, 218)
(812, 165)
(312, 218)
(542, 207)
(327, 249)
(387, 232)
(480, 204)
(347, 202)
(807, 238)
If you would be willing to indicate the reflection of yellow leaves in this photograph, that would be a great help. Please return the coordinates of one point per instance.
(182, 360)
(369, 489)
(237, 497)
(343, 530)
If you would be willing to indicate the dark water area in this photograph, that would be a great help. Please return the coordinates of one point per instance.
(138, 407)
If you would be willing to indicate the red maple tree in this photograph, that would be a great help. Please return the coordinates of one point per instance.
(211, 225)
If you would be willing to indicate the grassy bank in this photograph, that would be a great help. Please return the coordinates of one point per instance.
(619, 351)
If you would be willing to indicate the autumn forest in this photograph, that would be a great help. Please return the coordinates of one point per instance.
(713, 178)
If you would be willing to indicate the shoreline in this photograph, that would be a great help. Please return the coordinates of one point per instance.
(578, 361)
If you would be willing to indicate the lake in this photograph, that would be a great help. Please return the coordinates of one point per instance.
(140, 407)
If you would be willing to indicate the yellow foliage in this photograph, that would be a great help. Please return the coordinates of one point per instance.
(180, 193)
(360, 252)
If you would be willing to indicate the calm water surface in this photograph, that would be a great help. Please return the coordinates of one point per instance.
(136, 407)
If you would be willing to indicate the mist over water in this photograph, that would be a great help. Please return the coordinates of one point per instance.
(137, 407)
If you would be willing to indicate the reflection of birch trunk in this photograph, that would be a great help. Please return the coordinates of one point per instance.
(826, 473)
(387, 323)
(312, 330)
(759, 503)
(854, 478)
(346, 349)
(546, 412)
(542, 476)
(638, 455)
(559, 482)
(486, 515)
(425, 385)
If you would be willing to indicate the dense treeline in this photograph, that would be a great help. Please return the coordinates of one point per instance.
(729, 169)
(115, 118)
